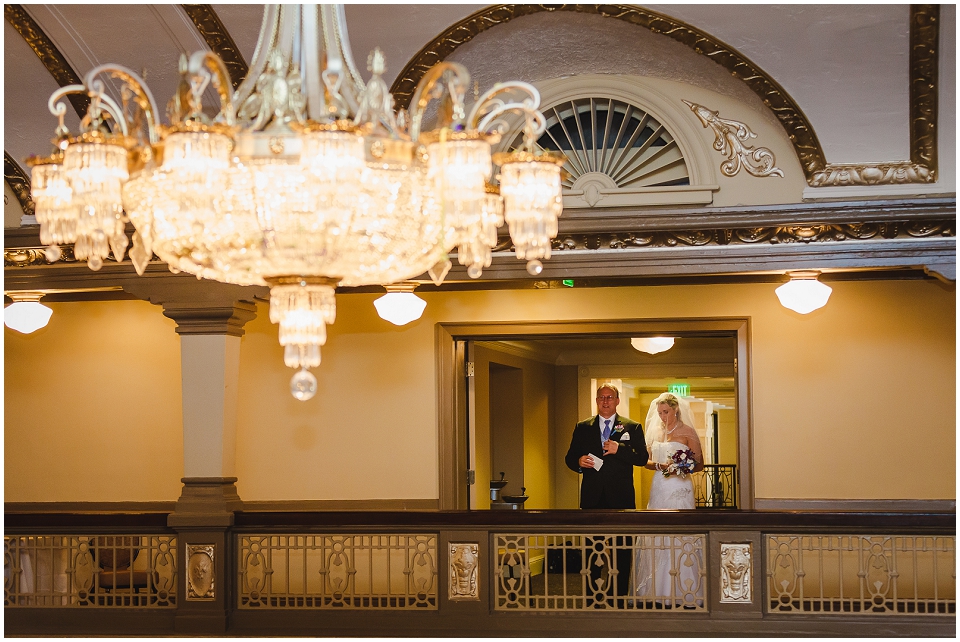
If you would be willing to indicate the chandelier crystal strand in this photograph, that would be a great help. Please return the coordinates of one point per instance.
(96, 170)
(173, 206)
(54, 209)
(476, 248)
(532, 202)
(303, 309)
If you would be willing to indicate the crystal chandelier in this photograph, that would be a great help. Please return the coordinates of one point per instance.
(307, 178)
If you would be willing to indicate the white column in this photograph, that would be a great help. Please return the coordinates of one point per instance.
(210, 365)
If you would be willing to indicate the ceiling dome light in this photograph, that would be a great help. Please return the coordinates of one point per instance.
(26, 314)
(400, 305)
(804, 293)
(652, 345)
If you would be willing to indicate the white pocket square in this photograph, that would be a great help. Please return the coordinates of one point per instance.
(626, 437)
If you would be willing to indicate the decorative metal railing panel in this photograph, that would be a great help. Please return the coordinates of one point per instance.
(118, 571)
(338, 571)
(573, 572)
(716, 486)
(867, 574)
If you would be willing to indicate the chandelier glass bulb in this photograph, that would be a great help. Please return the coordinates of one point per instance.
(804, 293)
(26, 314)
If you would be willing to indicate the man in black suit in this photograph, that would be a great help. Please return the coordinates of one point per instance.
(618, 443)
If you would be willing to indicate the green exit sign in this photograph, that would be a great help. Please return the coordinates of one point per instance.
(567, 282)
(679, 389)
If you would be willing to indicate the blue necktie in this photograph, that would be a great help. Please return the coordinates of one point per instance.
(606, 429)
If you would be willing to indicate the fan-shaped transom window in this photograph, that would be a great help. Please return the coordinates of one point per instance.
(617, 154)
(614, 138)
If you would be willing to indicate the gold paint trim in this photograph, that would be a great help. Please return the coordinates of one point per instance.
(924, 50)
(213, 31)
(19, 182)
(48, 54)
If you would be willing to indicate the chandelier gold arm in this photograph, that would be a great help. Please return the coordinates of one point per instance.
(265, 43)
(428, 89)
(333, 20)
(142, 95)
(488, 109)
(205, 62)
(102, 102)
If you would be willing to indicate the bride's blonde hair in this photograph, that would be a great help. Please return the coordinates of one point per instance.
(671, 401)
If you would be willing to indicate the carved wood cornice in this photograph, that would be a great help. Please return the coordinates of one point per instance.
(924, 39)
(19, 182)
(213, 31)
(48, 53)
(911, 234)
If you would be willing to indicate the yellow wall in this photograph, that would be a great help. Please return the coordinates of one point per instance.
(834, 394)
(727, 436)
(566, 482)
(92, 406)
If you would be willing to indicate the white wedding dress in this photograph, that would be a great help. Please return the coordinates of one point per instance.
(668, 569)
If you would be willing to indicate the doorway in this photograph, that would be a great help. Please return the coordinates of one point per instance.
(560, 364)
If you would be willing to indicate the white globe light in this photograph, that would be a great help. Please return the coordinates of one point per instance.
(803, 293)
(652, 345)
(400, 307)
(26, 316)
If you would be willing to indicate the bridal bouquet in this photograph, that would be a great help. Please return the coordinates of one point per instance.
(683, 464)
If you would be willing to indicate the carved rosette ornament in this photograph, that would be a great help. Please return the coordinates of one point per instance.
(735, 577)
(201, 560)
(464, 572)
(731, 138)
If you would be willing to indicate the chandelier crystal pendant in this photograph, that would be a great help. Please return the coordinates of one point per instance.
(306, 179)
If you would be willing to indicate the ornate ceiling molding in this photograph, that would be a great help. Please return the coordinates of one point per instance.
(19, 182)
(48, 53)
(924, 38)
(219, 40)
(924, 74)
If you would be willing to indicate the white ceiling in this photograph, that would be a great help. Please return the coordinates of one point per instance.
(845, 65)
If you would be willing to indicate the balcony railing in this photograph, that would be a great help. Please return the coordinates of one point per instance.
(716, 486)
(431, 573)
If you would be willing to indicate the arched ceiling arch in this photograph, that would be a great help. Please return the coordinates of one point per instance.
(924, 23)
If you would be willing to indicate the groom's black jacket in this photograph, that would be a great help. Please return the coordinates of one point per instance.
(612, 485)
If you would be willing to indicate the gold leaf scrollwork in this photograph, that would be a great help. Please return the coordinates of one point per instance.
(893, 173)
(19, 182)
(731, 141)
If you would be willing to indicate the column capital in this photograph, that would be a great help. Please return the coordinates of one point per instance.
(206, 502)
(227, 319)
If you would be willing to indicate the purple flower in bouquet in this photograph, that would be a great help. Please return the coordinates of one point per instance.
(683, 464)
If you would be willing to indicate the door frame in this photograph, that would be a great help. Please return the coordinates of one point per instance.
(452, 395)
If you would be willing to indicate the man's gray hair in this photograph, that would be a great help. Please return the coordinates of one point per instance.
(610, 386)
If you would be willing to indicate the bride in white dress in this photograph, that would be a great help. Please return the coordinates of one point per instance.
(669, 569)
